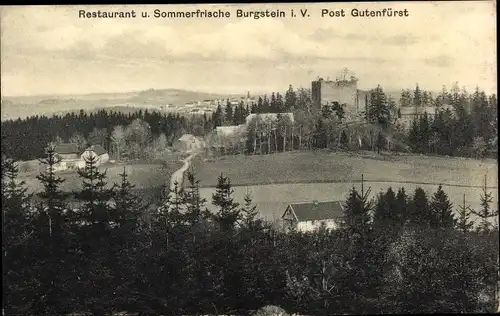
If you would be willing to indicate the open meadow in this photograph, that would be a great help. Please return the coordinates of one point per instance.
(143, 175)
(322, 166)
(274, 181)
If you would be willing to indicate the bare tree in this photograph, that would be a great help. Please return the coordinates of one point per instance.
(78, 140)
(118, 139)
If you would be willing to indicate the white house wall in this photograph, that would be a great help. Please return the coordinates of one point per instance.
(308, 226)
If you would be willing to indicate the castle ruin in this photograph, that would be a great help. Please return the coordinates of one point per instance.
(344, 91)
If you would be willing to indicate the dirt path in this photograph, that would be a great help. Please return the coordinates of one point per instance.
(178, 176)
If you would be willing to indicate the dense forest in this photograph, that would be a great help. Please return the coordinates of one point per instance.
(26, 139)
(394, 253)
(469, 128)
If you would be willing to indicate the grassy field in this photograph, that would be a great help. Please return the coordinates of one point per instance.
(272, 199)
(274, 181)
(143, 175)
(316, 167)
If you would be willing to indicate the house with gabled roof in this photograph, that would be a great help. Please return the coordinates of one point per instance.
(189, 142)
(96, 151)
(67, 156)
(67, 151)
(306, 217)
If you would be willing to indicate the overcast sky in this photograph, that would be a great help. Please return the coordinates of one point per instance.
(49, 50)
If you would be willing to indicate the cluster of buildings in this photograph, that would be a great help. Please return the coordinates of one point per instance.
(208, 106)
(345, 91)
(70, 157)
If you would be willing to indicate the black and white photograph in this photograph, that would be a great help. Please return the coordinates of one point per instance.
(307, 159)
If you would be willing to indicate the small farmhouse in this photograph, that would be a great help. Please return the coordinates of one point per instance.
(307, 217)
(67, 151)
(96, 151)
(189, 142)
(409, 114)
(67, 156)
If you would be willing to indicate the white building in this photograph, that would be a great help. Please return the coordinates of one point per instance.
(229, 131)
(306, 217)
(268, 117)
(189, 142)
(409, 114)
(96, 151)
(68, 158)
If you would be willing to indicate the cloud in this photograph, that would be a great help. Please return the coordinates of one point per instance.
(441, 61)
(325, 35)
(438, 43)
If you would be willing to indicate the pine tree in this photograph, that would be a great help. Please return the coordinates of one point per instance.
(95, 197)
(319, 136)
(260, 106)
(218, 116)
(194, 203)
(94, 222)
(378, 111)
(401, 210)
(273, 105)
(385, 209)
(228, 213)
(419, 213)
(127, 210)
(485, 214)
(228, 118)
(236, 116)
(176, 202)
(413, 136)
(249, 212)
(20, 284)
(424, 134)
(417, 96)
(357, 214)
(52, 194)
(290, 98)
(441, 211)
(280, 105)
(265, 105)
(52, 219)
(464, 224)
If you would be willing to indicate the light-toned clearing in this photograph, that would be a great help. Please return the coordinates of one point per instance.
(142, 175)
(275, 181)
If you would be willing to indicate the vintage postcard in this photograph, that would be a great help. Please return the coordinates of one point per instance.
(250, 159)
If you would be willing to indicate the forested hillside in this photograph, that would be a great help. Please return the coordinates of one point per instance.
(397, 252)
(470, 129)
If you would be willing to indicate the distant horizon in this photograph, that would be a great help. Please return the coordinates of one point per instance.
(229, 92)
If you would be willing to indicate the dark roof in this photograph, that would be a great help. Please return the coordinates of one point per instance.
(318, 210)
(98, 149)
(66, 149)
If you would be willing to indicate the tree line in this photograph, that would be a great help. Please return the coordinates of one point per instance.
(235, 115)
(395, 253)
(468, 129)
(26, 139)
